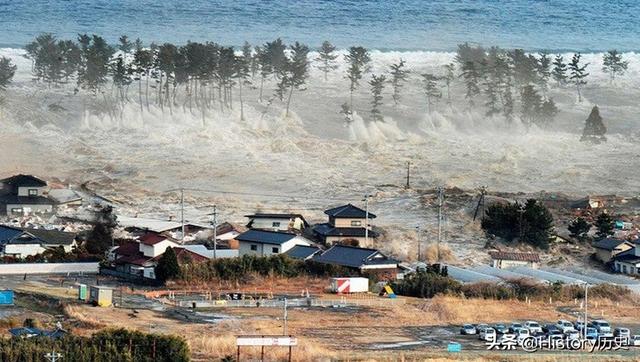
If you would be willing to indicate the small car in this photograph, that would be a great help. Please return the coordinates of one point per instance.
(501, 328)
(515, 326)
(564, 326)
(592, 334)
(572, 335)
(622, 332)
(603, 327)
(533, 327)
(635, 340)
(521, 334)
(488, 334)
(555, 334)
(468, 329)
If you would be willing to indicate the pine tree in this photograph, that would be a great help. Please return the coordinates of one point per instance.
(613, 64)
(544, 72)
(449, 76)
(430, 88)
(143, 61)
(377, 86)
(398, 78)
(531, 102)
(578, 73)
(579, 228)
(96, 54)
(358, 60)
(594, 129)
(168, 267)
(471, 77)
(547, 113)
(327, 58)
(605, 225)
(242, 71)
(7, 71)
(296, 71)
(559, 72)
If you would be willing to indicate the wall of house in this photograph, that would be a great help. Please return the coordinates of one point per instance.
(24, 191)
(267, 223)
(23, 250)
(158, 249)
(30, 208)
(346, 223)
(627, 268)
(603, 255)
(502, 264)
(270, 249)
(361, 240)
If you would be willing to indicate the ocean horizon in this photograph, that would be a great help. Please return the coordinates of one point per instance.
(412, 25)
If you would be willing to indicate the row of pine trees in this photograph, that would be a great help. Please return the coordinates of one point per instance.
(203, 76)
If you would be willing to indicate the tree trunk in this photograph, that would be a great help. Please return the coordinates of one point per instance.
(241, 102)
(289, 101)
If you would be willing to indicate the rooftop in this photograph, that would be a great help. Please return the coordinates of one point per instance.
(152, 238)
(354, 257)
(265, 237)
(302, 252)
(508, 255)
(327, 229)
(23, 181)
(348, 211)
(608, 243)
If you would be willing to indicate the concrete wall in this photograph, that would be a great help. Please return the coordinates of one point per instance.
(503, 264)
(271, 249)
(23, 250)
(30, 208)
(48, 268)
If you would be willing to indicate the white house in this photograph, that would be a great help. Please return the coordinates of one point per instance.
(346, 222)
(277, 222)
(23, 242)
(152, 244)
(266, 243)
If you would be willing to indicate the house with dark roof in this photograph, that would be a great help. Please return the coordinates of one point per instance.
(346, 223)
(277, 222)
(23, 242)
(26, 332)
(266, 242)
(303, 252)
(509, 259)
(362, 259)
(606, 249)
(628, 261)
(21, 194)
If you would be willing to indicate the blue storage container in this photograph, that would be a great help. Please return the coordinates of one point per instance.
(6, 297)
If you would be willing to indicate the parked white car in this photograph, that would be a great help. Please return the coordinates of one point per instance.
(565, 326)
(488, 334)
(533, 327)
(603, 327)
(572, 335)
(622, 332)
(635, 341)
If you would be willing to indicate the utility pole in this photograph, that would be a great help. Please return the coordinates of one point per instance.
(586, 300)
(366, 219)
(182, 212)
(408, 173)
(440, 203)
(215, 231)
(419, 242)
(285, 317)
(521, 212)
(53, 356)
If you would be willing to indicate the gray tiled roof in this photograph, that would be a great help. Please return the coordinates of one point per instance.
(302, 252)
(265, 237)
(354, 257)
(327, 229)
(23, 181)
(608, 244)
(348, 211)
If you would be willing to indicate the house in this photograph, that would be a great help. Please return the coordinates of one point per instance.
(140, 258)
(266, 243)
(346, 222)
(26, 332)
(144, 225)
(22, 194)
(24, 242)
(508, 259)
(361, 259)
(303, 252)
(607, 248)
(277, 222)
(628, 261)
(65, 197)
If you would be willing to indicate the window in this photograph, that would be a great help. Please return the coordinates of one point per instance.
(275, 224)
(33, 192)
(356, 223)
(17, 210)
(624, 269)
(254, 247)
(274, 250)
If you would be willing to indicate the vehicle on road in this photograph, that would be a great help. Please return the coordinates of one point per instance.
(635, 340)
(515, 326)
(488, 334)
(501, 329)
(533, 327)
(622, 332)
(579, 325)
(603, 327)
(549, 327)
(555, 334)
(468, 329)
(592, 334)
(522, 334)
(564, 326)
(572, 335)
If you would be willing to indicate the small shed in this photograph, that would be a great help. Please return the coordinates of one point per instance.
(506, 259)
(6, 297)
(100, 296)
(82, 292)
